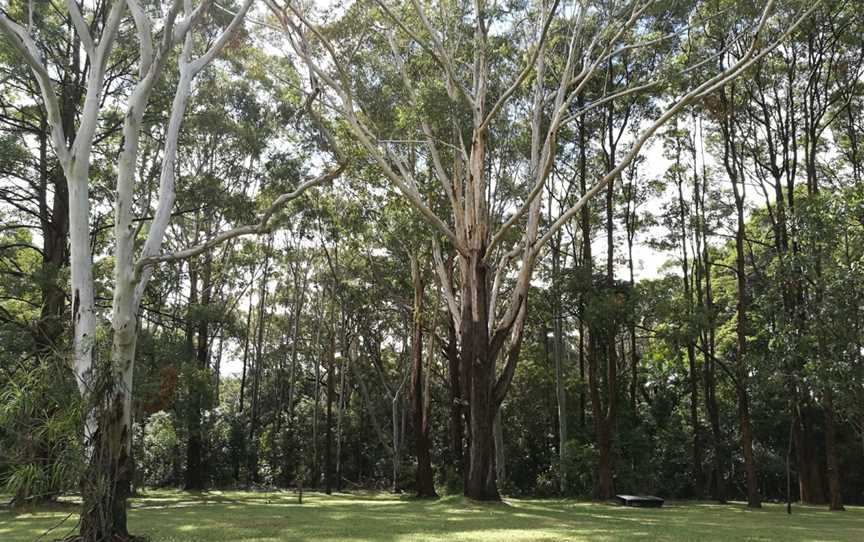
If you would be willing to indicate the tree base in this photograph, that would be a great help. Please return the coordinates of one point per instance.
(115, 538)
(427, 496)
(484, 496)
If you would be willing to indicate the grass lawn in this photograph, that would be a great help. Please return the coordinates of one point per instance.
(217, 516)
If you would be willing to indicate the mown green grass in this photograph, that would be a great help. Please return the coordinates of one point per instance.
(223, 516)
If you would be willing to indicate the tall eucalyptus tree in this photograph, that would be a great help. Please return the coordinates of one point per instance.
(106, 384)
(446, 67)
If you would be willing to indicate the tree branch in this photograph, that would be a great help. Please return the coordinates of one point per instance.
(81, 28)
(261, 227)
(29, 52)
(529, 66)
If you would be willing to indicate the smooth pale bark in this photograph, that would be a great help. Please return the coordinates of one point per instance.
(107, 388)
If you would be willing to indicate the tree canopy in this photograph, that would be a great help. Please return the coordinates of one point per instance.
(526, 248)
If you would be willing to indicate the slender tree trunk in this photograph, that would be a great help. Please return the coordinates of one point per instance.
(716, 435)
(558, 353)
(500, 457)
(328, 436)
(582, 356)
(835, 491)
(319, 352)
(834, 487)
(340, 407)
(55, 253)
(246, 342)
(425, 483)
(395, 440)
(693, 373)
(299, 300)
(254, 475)
(606, 415)
(457, 427)
(217, 369)
(732, 164)
(195, 466)
(631, 331)
(587, 258)
(237, 457)
(754, 500)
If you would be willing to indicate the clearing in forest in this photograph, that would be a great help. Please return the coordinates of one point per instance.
(223, 516)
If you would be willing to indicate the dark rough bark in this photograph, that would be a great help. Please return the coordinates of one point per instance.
(54, 222)
(479, 360)
(457, 426)
(55, 252)
(106, 483)
(810, 483)
(835, 492)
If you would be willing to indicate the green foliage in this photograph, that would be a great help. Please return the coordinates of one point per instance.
(161, 446)
(40, 421)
